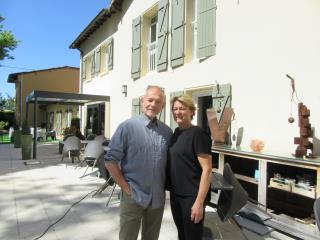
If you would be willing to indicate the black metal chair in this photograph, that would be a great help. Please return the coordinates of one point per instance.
(316, 210)
(232, 196)
(233, 203)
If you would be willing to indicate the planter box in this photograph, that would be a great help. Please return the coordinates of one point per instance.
(17, 138)
(305, 191)
(280, 185)
(26, 146)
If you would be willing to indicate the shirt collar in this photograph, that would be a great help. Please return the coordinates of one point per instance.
(147, 121)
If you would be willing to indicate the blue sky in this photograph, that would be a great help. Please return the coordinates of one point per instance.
(46, 28)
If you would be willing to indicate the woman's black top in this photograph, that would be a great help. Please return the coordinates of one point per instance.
(183, 169)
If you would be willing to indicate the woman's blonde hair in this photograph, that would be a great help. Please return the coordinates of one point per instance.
(185, 100)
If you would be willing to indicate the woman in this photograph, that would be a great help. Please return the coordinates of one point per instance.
(189, 170)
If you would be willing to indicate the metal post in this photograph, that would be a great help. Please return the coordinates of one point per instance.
(35, 110)
(27, 110)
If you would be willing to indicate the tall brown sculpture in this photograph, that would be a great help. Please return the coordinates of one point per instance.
(305, 133)
(219, 129)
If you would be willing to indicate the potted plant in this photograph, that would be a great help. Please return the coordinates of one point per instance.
(16, 136)
(26, 141)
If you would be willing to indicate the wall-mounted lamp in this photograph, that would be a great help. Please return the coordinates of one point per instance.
(124, 90)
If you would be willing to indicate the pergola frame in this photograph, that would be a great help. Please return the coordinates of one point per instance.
(46, 97)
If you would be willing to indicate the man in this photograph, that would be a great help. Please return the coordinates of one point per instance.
(137, 161)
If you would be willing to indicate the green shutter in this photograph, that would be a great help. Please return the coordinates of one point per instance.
(110, 54)
(173, 124)
(162, 115)
(136, 48)
(97, 60)
(136, 109)
(163, 19)
(221, 98)
(206, 30)
(83, 68)
(177, 33)
(93, 58)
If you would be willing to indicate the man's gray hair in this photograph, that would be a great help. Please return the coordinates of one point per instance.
(155, 86)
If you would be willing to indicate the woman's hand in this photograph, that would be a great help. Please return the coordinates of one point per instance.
(196, 212)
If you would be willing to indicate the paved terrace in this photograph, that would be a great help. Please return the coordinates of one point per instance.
(36, 196)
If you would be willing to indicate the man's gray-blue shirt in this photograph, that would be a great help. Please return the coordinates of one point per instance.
(140, 146)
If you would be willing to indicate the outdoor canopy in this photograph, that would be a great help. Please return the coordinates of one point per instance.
(46, 97)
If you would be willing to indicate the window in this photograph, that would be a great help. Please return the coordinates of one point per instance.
(86, 70)
(59, 123)
(67, 118)
(192, 35)
(107, 56)
(152, 46)
(51, 121)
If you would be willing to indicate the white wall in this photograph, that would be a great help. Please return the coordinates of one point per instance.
(258, 43)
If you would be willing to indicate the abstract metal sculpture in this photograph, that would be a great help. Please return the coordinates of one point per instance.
(305, 132)
(219, 129)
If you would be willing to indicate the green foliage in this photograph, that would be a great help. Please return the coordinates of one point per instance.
(3, 125)
(25, 128)
(7, 103)
(69, 130)
(7, 42)
(7, 116)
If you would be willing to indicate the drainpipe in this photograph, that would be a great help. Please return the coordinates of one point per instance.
(81, 90)
(20, 100)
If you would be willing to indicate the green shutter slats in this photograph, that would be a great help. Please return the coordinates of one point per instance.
(136, 110)
(163, 19)
(162, 115)
(136, 48)
(97, 60)
(83, 68)
(93, 58)
(221, 98)
(177, 33)
(110, 54)
(206, 29)
(173, 124)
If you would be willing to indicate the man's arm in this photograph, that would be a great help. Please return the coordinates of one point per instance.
(117, 176)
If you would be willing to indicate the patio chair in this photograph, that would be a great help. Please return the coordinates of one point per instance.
(71, 146)
(100, 138)
(106, 176)
(61, 143)
(91, 136)
(41, 134)
(92, 153)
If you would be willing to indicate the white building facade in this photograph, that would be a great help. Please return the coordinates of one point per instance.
(238, 50)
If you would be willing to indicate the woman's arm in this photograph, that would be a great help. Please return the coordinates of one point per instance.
(205, 161)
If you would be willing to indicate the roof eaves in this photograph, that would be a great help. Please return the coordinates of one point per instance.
(101, 18)
(12, 78)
